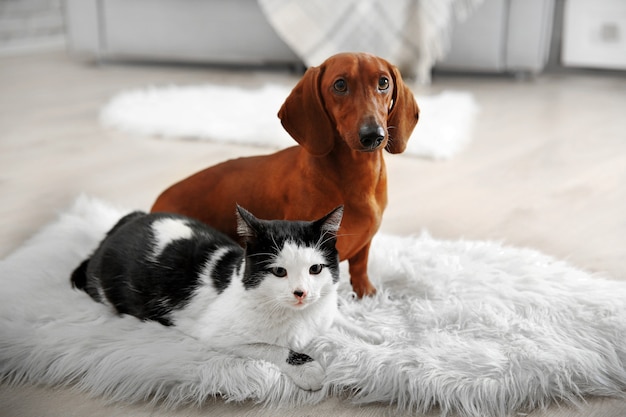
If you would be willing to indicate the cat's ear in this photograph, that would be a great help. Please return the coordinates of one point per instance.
(246, 224)
(331, 222)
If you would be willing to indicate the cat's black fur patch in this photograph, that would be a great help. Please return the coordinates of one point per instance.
(79, 276)
(225, 268)
(296, 358)
(125, 271)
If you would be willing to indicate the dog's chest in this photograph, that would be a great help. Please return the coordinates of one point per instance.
(360, 222)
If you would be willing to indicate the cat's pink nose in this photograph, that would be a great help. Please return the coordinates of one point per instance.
(299, 294)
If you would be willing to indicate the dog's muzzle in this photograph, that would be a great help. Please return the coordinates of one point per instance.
(371, 136)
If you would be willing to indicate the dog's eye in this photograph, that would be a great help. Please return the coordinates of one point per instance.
(316, 269)
(383, 83)
(279, 271)
(341, 86)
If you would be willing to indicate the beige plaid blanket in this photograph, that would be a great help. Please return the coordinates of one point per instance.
(412, 34)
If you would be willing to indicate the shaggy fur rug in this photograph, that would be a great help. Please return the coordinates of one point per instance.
(247, 116)
(471, 327)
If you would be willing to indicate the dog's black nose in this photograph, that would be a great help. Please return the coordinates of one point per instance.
(371, 136)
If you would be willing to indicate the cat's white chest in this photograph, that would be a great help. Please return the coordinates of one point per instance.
(238, 317)
(296, 329)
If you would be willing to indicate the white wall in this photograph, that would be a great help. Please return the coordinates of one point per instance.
(31, 25)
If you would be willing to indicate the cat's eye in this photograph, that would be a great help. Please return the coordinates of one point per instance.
(383, 83)
(279, 271)
(316, 269)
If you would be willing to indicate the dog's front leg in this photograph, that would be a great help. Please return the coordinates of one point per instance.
(358, 273)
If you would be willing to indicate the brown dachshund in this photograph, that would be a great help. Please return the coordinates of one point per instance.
(343, 114)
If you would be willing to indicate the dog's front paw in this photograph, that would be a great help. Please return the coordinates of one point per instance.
(363, 288)
(305, 372)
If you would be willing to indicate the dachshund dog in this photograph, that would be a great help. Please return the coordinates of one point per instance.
(342, 114)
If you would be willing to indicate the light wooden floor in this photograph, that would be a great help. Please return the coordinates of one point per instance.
(546, 169)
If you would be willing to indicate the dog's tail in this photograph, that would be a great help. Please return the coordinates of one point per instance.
(79, 276)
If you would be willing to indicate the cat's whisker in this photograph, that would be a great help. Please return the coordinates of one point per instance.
(260, 254)
(276, 247)
(321, 242)
(263, 263)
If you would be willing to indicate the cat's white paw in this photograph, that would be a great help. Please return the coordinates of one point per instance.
(309, 376)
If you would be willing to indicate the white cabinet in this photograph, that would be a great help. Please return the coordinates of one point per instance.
(594, 34)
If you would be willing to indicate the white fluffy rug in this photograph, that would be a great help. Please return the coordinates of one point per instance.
(249, 116)
(473, 327)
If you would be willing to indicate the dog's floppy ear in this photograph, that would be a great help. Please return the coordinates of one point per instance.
(304, 117)
(403, 115)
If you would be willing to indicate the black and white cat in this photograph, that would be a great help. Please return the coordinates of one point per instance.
(267, 301)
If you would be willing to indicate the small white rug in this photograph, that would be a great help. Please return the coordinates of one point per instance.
(473, 327)
(248, 116)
